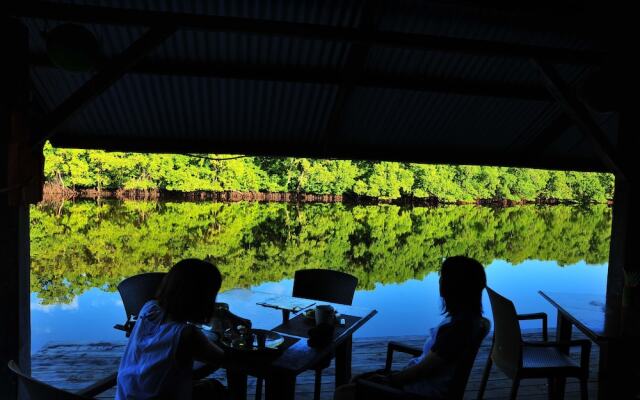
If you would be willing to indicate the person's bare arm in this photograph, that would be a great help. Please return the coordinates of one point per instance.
(429, 364)
(198, 347)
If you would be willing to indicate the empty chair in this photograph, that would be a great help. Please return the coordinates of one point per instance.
(322, 285)
(522, 360)
(135, 291)
(38, 390)
(369, 390)
(325, 285)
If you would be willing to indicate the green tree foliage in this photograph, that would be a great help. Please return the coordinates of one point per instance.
(384, 180)
(78, 246)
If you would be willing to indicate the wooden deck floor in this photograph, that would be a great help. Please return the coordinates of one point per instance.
(73, 366)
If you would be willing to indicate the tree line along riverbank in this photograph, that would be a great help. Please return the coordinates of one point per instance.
(94, 173)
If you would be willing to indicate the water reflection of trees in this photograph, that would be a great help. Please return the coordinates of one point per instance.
(84, 245)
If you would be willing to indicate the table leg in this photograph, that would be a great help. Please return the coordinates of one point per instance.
(285, 316)
(604, 387)
(563, 334)
(343, 362)
(237, 385)
(280, 386)
(615, 373)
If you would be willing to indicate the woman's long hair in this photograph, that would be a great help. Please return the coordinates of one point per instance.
(189, 291)
(462, 280)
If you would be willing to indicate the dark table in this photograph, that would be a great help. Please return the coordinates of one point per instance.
(590, 314)
(280, 373)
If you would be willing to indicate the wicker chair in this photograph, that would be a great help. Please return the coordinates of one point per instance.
(135, 291)
(325, 285)
(369, 390)
(38, 390)
(523, 360)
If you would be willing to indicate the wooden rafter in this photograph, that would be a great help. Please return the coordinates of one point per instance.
(390, 39)
(101, 81)
(278, 73)
(445, 154)
(581, 116)
(551, 133)
(355, 61)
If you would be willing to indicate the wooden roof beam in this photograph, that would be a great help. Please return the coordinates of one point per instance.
(355, 62)
(120, 16)
(549, 135)
(468, 87)
(101, 81)
(563, 17)
(581, 116)
(286, 148)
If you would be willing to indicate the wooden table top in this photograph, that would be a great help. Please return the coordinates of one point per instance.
(588, 312)
(298, 356)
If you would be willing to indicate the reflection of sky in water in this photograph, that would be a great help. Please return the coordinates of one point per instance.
(409, 308)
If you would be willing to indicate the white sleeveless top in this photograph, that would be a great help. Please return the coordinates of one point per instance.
(149, 368)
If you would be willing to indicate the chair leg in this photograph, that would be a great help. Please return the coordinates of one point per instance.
(551, 389)
(485, 377)
(584, 388)
(514, 388)
(317, 385)
(259, 382)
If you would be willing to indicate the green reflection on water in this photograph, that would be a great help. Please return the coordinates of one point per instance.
(77, 246)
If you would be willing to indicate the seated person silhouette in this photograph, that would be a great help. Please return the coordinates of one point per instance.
(462, 281)
(158, 360)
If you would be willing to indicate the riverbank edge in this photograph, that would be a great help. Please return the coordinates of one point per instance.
(52, 193)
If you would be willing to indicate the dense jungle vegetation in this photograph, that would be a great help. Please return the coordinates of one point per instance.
(76, 169)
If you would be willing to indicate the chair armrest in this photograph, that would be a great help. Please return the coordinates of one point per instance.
(99, 386)
(367, 389)
(585, 348)
(540, 315)
(127, 327)
(396, 346)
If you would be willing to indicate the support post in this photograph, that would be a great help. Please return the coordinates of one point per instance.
(15, 328)
(619, 358)
(355, 59)
(618, 364)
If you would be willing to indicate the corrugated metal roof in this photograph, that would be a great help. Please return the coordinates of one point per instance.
(408, 62)
(390, 117)
(274, 116)
(208, 109)
(321, 12)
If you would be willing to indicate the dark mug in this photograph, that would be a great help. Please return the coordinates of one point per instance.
(325, 314)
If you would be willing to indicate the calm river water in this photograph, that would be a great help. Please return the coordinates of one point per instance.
(81, 250)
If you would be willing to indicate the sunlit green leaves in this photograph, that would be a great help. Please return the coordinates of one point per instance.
(77, 246)
(384, 180)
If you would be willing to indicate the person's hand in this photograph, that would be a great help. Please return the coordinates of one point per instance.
(379, 378)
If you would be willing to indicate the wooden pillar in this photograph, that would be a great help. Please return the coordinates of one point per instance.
(15, 165)
(615, 378)
(625, 248)
(615, 275)
(620, 358)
